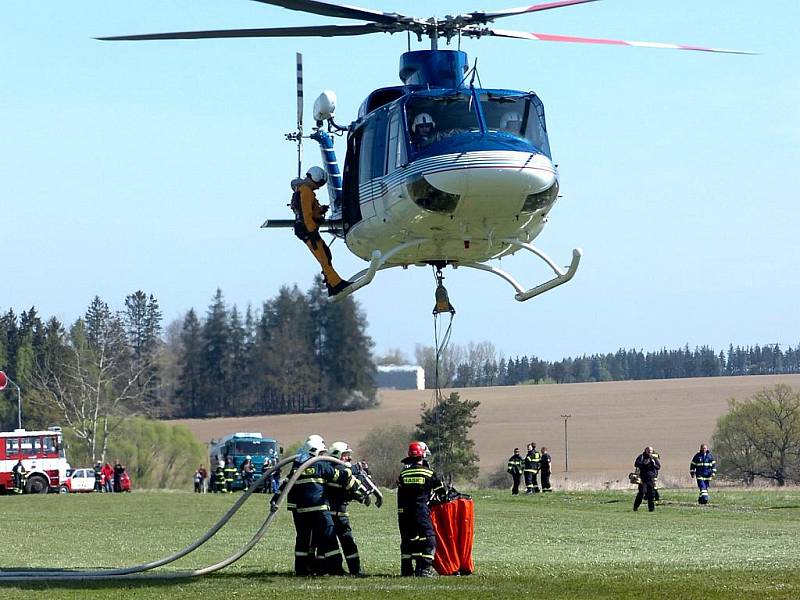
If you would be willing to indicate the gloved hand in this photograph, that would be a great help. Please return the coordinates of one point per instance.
(378, 501)
(273, 506)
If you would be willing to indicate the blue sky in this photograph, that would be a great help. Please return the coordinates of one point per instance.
(151, 165)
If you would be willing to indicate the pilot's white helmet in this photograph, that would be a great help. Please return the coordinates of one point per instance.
(423, 123)
(511, 121)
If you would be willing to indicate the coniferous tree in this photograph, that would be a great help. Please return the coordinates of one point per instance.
(216, 346)
(189, 389)
(445, 426)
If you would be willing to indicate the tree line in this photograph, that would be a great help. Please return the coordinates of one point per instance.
(477, 365)
(297, 352)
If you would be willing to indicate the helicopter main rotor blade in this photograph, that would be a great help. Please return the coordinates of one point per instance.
(547, 37)
(335, 10)
(318, 30)
(482, 17)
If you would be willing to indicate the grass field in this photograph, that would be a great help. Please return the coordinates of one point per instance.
(565, 545)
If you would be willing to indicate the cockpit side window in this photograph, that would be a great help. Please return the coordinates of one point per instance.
(519, 115)
(434, 118)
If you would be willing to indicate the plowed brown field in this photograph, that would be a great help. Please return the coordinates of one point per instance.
(611, 422)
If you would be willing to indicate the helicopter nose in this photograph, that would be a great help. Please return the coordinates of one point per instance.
(498, 184)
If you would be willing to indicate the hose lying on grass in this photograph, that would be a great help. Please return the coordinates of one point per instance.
(136, 571)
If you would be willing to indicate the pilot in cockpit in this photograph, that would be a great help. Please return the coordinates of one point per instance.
(512, 123)
(423, 130)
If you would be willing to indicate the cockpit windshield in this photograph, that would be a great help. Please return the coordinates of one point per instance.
(518, 115)
(434, 118)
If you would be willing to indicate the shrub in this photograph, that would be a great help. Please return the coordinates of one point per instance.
(383, 448)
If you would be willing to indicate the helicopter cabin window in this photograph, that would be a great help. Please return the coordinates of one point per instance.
(397, 143)
(520, 116)
(372, 160)
(434, 118)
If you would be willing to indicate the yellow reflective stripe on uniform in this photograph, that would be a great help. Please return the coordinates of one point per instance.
(405, 556)
(310, 480)
(312, 508)
(333, 485)
(349, 556)
(340, 514)
(332, 553)
(417, 471)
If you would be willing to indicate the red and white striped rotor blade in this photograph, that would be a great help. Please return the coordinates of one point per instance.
(548, 37)
(484, 17)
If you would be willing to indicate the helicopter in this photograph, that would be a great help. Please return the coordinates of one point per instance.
(438, 172)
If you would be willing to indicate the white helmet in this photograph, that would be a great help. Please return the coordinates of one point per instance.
(339, 448)
(511, 121)
(317, 175)
(314, 445)
(221, 464)
(423, 122)
(248, 457)
(426, 452)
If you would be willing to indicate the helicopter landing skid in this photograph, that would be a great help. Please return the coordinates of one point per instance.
(377, 262)
(562, 276)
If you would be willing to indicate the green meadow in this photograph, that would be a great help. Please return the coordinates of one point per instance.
(745, 544)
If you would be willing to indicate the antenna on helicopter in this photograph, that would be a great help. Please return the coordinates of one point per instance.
(297, 136)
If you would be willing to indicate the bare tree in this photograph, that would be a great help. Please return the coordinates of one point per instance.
(760, 437)
(93, 379)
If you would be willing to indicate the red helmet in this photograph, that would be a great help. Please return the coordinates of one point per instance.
(416, 450)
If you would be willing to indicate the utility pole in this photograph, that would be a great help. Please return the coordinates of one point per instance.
(566, 447)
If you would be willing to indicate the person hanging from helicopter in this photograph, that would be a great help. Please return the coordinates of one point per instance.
(423, 130)
(308, 215)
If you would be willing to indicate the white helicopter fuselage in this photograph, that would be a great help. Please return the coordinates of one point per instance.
(491, 186)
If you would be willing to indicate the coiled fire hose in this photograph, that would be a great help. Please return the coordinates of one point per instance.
(136, 571)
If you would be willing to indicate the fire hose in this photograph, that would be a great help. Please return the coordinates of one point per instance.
(136, 571)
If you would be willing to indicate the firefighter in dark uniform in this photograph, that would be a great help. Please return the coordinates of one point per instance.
(311, 512)
(647, 468)
(531, 469)
(339, 495)
(230, 474)
(98, 478)
(703, 467)
(515, 465)
(656, 455)
(545, 469)
(18, 473)
(308, 215)
(416, 486)
(219, 478)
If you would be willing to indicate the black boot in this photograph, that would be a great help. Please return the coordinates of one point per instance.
(335, 289)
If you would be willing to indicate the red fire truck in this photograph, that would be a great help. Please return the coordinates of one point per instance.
(42, 453)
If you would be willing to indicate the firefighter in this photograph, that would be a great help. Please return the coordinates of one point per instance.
(308, 215)
(248, 471)
(98, 477)
(311, 512)
(647, 468)
(654, 454)
(339, 495)
(230, 473)
(219, 478)
(18, 473)
(545, 470)
(704, 468)
(515, 464)
(531, 468)
(416, 486)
